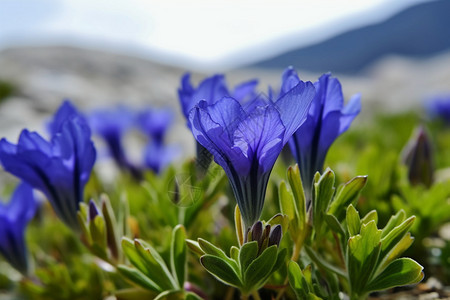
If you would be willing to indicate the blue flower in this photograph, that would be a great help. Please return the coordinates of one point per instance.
(59, 168)
(439, 107)
(327, 119)
(14, 218)
(111, 125)
(155, 123)
(246, 140)
(211, 90)
(158, 156)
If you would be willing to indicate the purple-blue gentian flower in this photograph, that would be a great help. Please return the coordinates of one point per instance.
(327, 119)
(211, 90)
(14, 218)
(439, 107)
(59, 168)
(111, 125)
(155, 123)
(246, 140)
(158, 156)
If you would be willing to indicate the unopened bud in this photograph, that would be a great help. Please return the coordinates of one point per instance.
(257, 230)
(275, 236)
(418, 157)
(266, 232)
(93, 211)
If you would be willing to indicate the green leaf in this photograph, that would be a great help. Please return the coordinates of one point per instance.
(110, 223)
(156, 267)
(297, 281)
(209, 248)
(82, 220)
(239, 225)
(401, 271)
(234, 253)
(260, 269)
(280, 259)
(299, 195)
(323, 192)
(347, 194)
(98, 231)
(279, 219)
(371, 216)
(391, 239)
(192, 296)
(194, 247)
(247, 255)
(178, 251)
(334, 224)
(353, 221)
(221, 269)
(398, 249)
(288, 207)
(319, 261)
(287, 204)
(394, 221)
(171, 295)
(138, 278)
(363, 252)
(311, 296)
(133, 256)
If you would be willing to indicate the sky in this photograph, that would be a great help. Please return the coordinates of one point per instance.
(197, 34)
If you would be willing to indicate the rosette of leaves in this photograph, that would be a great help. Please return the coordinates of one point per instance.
(325, 202)
(149, 271)
(249, 267)
(371, 256)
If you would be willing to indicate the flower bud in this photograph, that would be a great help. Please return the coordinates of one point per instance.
(275, 236)
(93, 211)
(257, 230)
(418, 157)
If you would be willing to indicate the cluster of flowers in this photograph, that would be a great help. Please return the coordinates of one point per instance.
(245, 132)
(113, 124)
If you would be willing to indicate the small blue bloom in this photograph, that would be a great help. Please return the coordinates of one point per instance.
(59, 168)
(246, 140)
(14, 218)
(112, 125)
(327, 119)
(158, 156)
(439, 107)
(155, 123)
(211, 90)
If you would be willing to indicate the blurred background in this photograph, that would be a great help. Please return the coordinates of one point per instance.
(98, 53)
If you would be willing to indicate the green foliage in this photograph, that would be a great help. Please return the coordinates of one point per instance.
(364, 255)
(249, 267)
(349, 238)
(150, 271)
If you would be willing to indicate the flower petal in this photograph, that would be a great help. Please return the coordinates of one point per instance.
(293, 107)
(260, 136)
(350, 111)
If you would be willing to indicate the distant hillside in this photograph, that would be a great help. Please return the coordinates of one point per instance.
(419, 31)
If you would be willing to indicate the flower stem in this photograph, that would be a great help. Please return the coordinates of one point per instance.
(255, 295)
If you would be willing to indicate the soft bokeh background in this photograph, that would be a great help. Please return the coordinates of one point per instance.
(97, 53)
